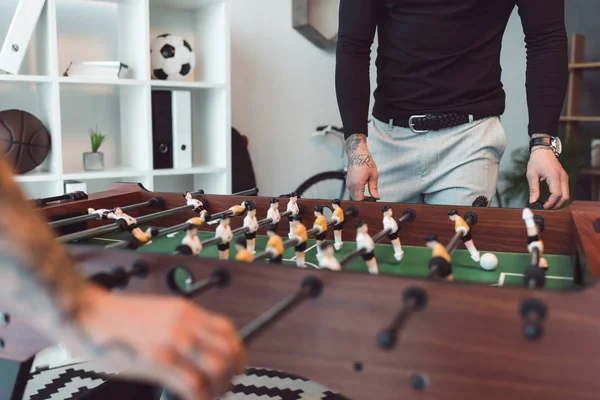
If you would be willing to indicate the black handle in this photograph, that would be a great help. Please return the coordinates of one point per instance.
(415, 299)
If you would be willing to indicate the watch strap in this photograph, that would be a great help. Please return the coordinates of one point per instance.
(540, 141)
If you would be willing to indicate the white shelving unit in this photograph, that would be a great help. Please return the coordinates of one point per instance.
(101, 30)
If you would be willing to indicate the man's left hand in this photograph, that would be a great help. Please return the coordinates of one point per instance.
(544, 166)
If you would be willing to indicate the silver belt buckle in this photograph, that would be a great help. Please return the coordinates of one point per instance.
(412, 126)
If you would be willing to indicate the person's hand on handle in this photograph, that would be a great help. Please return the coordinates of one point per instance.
(362, 169)
(544, 166)
(170, 342)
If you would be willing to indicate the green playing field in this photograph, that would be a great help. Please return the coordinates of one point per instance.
(415, 262)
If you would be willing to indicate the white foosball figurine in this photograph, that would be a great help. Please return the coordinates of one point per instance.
(223, 232)
(390, 223)
(365, 241)
(460, 225)
(101, 213)
(251, 223)
(119, 215)
(293, 208)
(327, 258)
(191, 239)
(300, 233)
(533, 235)
(191, 201)
(338, 217)
(320, 224)
(273, 212)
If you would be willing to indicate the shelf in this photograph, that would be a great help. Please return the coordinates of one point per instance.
(183, 4)
(579, 119)
(590, 65)
(186, 85)
(25, 78)
(90, 80)
(188, 171)
(106, 174)
(590, 171)
(36, 177)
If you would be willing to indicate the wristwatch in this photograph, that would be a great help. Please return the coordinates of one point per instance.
(553, 142)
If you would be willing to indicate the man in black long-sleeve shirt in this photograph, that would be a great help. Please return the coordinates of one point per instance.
(436, 134)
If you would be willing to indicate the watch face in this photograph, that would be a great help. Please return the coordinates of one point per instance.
(557, 144)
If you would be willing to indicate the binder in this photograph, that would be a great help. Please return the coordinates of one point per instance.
(19, 34)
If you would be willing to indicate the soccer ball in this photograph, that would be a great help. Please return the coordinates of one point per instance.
(172, 58)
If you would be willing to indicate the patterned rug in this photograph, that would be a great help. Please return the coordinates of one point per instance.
(74, 381)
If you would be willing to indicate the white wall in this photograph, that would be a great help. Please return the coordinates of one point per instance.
(283, 87)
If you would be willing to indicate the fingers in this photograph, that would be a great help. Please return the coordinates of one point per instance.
(534, 186)
(356, 185)
(564, 183)
(182, 378)
(555, 187)
(373, 186)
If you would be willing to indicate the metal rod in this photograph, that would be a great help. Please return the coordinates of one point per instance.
(202, 286)
(115, 226)
(535, 256)
(355, 254)
(311, 287)
(89, 217)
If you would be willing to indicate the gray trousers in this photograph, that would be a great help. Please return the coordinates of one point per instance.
(450, 167)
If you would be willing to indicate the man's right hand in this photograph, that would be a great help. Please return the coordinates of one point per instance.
(163, 340)
(362, 169)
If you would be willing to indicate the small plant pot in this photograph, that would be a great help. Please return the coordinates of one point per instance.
(93, 161)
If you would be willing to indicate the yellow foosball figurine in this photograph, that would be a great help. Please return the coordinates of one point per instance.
(274, 245)
(460, 225)
(301, 234)
(320, 224)
(242, 253)
(440, 259)
(141, 238)
(338, 216)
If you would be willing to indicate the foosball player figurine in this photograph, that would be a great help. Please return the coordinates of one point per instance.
(320, 224)
(242, 253)
(327, 258)
(390, 223)
(251, 223)
(440, 264)
(533, 234)
(191, 244)
(274, 245)
(127, 222)
(338, 217)
(238, 209)
(293, 208)
(140, 238)
(365, 241)
(460, 225)
(223, 232)
(300, 233)
(191, 201)
(273, 212)
(101, 213)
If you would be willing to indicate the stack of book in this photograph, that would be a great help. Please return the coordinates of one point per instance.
(98, 69)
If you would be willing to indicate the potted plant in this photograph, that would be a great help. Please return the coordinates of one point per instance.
(94, 160)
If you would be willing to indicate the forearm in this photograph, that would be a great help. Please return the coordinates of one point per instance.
(357, 24)
(547, 63)
(37, 276)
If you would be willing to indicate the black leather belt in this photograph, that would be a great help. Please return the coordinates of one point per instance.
(435, 122)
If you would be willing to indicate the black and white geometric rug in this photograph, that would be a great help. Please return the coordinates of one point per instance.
(71, 382)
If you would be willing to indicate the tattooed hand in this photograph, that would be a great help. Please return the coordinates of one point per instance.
(362, 169)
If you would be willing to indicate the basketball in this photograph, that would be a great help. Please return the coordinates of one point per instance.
(24, 140)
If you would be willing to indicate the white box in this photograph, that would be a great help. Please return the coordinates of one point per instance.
(19, 34)
(75, 186)
(182, 128)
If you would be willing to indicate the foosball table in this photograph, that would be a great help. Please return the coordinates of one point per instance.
(374, 300)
